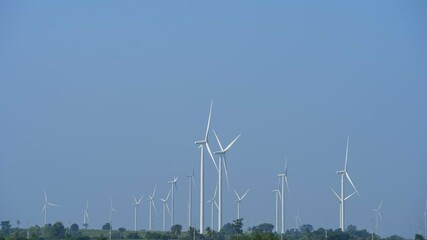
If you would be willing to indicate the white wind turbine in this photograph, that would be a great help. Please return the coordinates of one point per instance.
(135, 205)
(86, 215)
(151, 199)
(222, 161)
(213, 202)
(377, 215)
(111, 215)
(45, 205)
(190, 195)
(173, 186)
(239, 202)
(341, 197)
(204, 143)
(165, 207)
(297, 219)
(284, 179)
(277, 191)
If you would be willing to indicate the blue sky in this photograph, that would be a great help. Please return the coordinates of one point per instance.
(105, 99)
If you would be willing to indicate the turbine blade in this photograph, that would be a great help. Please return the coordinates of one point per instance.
(335, 194)
(167, 207)
(237, 194)
(226, 172)
(381, 203)
(192, 178)
(210, 154)
(45, 195)
(216, 204)
(231, 144)
(245, 193)
(43, 209)
(351, 182)
(53, 204)
(218, 141)
(379, 215)
(154, 192)
(167, 197)
(209, 121)
(346, 154)
(140, 199)
(87, 203)
(286, 181)
(216, 189)
(87, 216)
(134, 199)
(349, 196)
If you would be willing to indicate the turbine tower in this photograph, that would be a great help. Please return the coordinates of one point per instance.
(111, 215)
(190, 195)
(165, 206)
(377, 215)
(202, 144)
(239, 202)
(45, 205)
(222, 161)
(341, 197)
(86, 215)
(135, 205)
(173, 186)
(152, 205)
(284, 179)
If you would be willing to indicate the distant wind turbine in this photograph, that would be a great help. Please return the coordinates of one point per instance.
(135, 205)
(284, 177)
(151, 199)
(165, 207)
(297, 219)
(222, 162)
(86, 215)
(377, 215)
(425, 221)
(213, 202)
(341, 197)
(45, 205)
(239, 202)
(190, 195)
(111, 215)
(204, 143)
(173, 187)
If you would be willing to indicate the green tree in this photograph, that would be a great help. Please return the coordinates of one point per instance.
(74, 229)
(262, 228)
(419, 237)
(176, 229)
(238, 226)
(106, 226)
(18, 223)
(5, 228)
(58, 230)
(122, 230)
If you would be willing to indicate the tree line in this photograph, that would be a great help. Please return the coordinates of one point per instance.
(230, 231)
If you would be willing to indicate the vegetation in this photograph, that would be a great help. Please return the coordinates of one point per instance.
(230, 231)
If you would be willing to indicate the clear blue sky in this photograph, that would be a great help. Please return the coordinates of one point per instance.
(104, 99)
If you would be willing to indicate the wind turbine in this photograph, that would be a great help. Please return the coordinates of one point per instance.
(135, 205)
(202, 144)
(277, 191)
(377, 215)
(341, 197)
(165, 206)
(151, 199)
(111, 215)
(44, 209)
(222, 161)
(239, 202)
(213, 202)
(86, 215)
(173, 186)
(190, 195)
(297, 219)
(284, 177)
